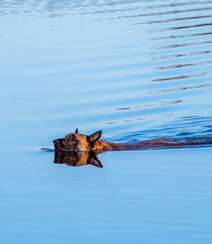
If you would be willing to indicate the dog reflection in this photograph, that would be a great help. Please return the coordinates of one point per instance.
(76, 158)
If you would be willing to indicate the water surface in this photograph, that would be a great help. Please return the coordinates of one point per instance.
(135, 69)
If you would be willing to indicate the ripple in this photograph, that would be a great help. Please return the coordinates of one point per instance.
(184, 27)
(145, 61)
(176, 66)
(166, 13)
(174, 20)
(182, 55)
(182, 36)
(184, 88)
(182, 45)
(180, 77)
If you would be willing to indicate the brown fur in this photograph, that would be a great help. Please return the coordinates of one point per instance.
(83, 143)
(77, 149)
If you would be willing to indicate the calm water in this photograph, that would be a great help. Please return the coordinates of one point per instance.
(136, 70)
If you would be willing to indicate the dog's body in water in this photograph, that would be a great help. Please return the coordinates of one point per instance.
(80, 142)
(77, 149)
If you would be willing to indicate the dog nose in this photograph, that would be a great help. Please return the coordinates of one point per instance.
(54, 141)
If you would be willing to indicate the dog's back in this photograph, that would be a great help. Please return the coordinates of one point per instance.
(80, 142)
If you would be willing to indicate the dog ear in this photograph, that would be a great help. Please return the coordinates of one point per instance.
(95, 136)
(76, 131)
(95, 162)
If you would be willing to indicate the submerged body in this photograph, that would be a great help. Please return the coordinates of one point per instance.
(102, 146)
(77, 149)
(79, 142)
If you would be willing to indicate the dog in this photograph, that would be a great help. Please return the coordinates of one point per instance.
(83, 143)
(77, 149)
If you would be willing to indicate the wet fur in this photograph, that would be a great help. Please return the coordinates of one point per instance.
(80, 142)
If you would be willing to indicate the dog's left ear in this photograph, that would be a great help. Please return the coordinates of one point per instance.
(95, 136)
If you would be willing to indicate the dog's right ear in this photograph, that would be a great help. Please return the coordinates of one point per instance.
(95, 162)
(95, 136)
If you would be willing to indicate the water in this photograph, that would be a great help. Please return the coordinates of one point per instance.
(135, 69)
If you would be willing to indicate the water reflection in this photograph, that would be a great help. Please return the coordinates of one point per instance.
(77, 158)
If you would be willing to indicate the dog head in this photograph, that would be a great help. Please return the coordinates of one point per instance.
(77, 142)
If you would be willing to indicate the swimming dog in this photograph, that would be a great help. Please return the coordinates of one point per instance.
(83, 143)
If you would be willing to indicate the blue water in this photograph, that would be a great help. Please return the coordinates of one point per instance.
(135, 69)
